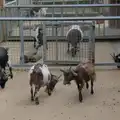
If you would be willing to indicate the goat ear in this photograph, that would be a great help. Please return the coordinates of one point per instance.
(74, 73)
(62, 70)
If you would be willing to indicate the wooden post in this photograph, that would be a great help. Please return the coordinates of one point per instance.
(1, 23)
(1, 3)
(114, 11)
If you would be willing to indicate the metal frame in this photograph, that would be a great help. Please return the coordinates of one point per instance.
(59, 18)
(62, 19)
(64, 6)
(91, 41)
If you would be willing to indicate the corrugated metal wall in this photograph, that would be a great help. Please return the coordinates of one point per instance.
(114, 11)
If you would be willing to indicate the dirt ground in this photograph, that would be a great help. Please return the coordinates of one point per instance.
(15, 101)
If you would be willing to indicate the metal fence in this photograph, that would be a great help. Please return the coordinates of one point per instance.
(57, 49)
(56, 52)
(104, 28)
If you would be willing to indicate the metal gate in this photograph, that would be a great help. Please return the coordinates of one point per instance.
(57, 48)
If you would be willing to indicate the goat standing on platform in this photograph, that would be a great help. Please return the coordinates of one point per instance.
(74, 36)
(38, 37)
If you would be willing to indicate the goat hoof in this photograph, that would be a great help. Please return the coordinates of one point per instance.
(49, 94)
(3, 85)
(92, 92)
(37, 102)
(32, 99)
(81, 100)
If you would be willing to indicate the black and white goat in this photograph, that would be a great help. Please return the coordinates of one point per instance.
(38, 36)
(41, 76)
(74, 36)
(38, 12)
(4, 61)
(37, 33)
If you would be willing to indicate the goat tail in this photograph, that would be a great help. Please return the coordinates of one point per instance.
(82, 35)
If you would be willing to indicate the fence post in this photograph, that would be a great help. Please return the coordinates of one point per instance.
(3, 25)
(1, 3)
(21, 43)
(44, 42)
(56, 34)
(93, 42)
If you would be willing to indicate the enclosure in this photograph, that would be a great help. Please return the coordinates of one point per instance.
(98, 22)
(63, 104)
(14, 31)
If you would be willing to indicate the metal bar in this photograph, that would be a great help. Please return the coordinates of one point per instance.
(22, 43)
(75, 63)
(58, 18)
(56, 34)
(67, 23)
(44, 42)
(64, 6)
(93, 42)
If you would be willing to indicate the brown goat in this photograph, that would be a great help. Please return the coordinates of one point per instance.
(83, 73)
(40, 76)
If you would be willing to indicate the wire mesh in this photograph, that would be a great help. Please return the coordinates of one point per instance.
(57, 49)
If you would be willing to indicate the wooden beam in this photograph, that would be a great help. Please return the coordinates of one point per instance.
(1, 3)
(114, 12)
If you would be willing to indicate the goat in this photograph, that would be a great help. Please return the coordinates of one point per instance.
(38, 37)
(116, 58)
(38, 12)
(4, 61)
(74, 36)
(83, 73)
(40, 76)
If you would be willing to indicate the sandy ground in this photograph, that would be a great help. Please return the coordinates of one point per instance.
(15, 101)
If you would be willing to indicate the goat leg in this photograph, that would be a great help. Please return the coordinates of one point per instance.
(34, 43)
(80, 91)
(87, 85)
(68, 50)
(31, 91)
(10, 69)
(92, 91)
(36, 95)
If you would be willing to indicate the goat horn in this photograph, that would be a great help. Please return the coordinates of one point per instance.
(113, 56)
(74, 73)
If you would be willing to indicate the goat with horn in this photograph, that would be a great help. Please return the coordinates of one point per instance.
(116, 58)
(83, 73)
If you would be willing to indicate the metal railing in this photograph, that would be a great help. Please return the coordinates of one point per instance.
(58, 19)
(102, 30)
